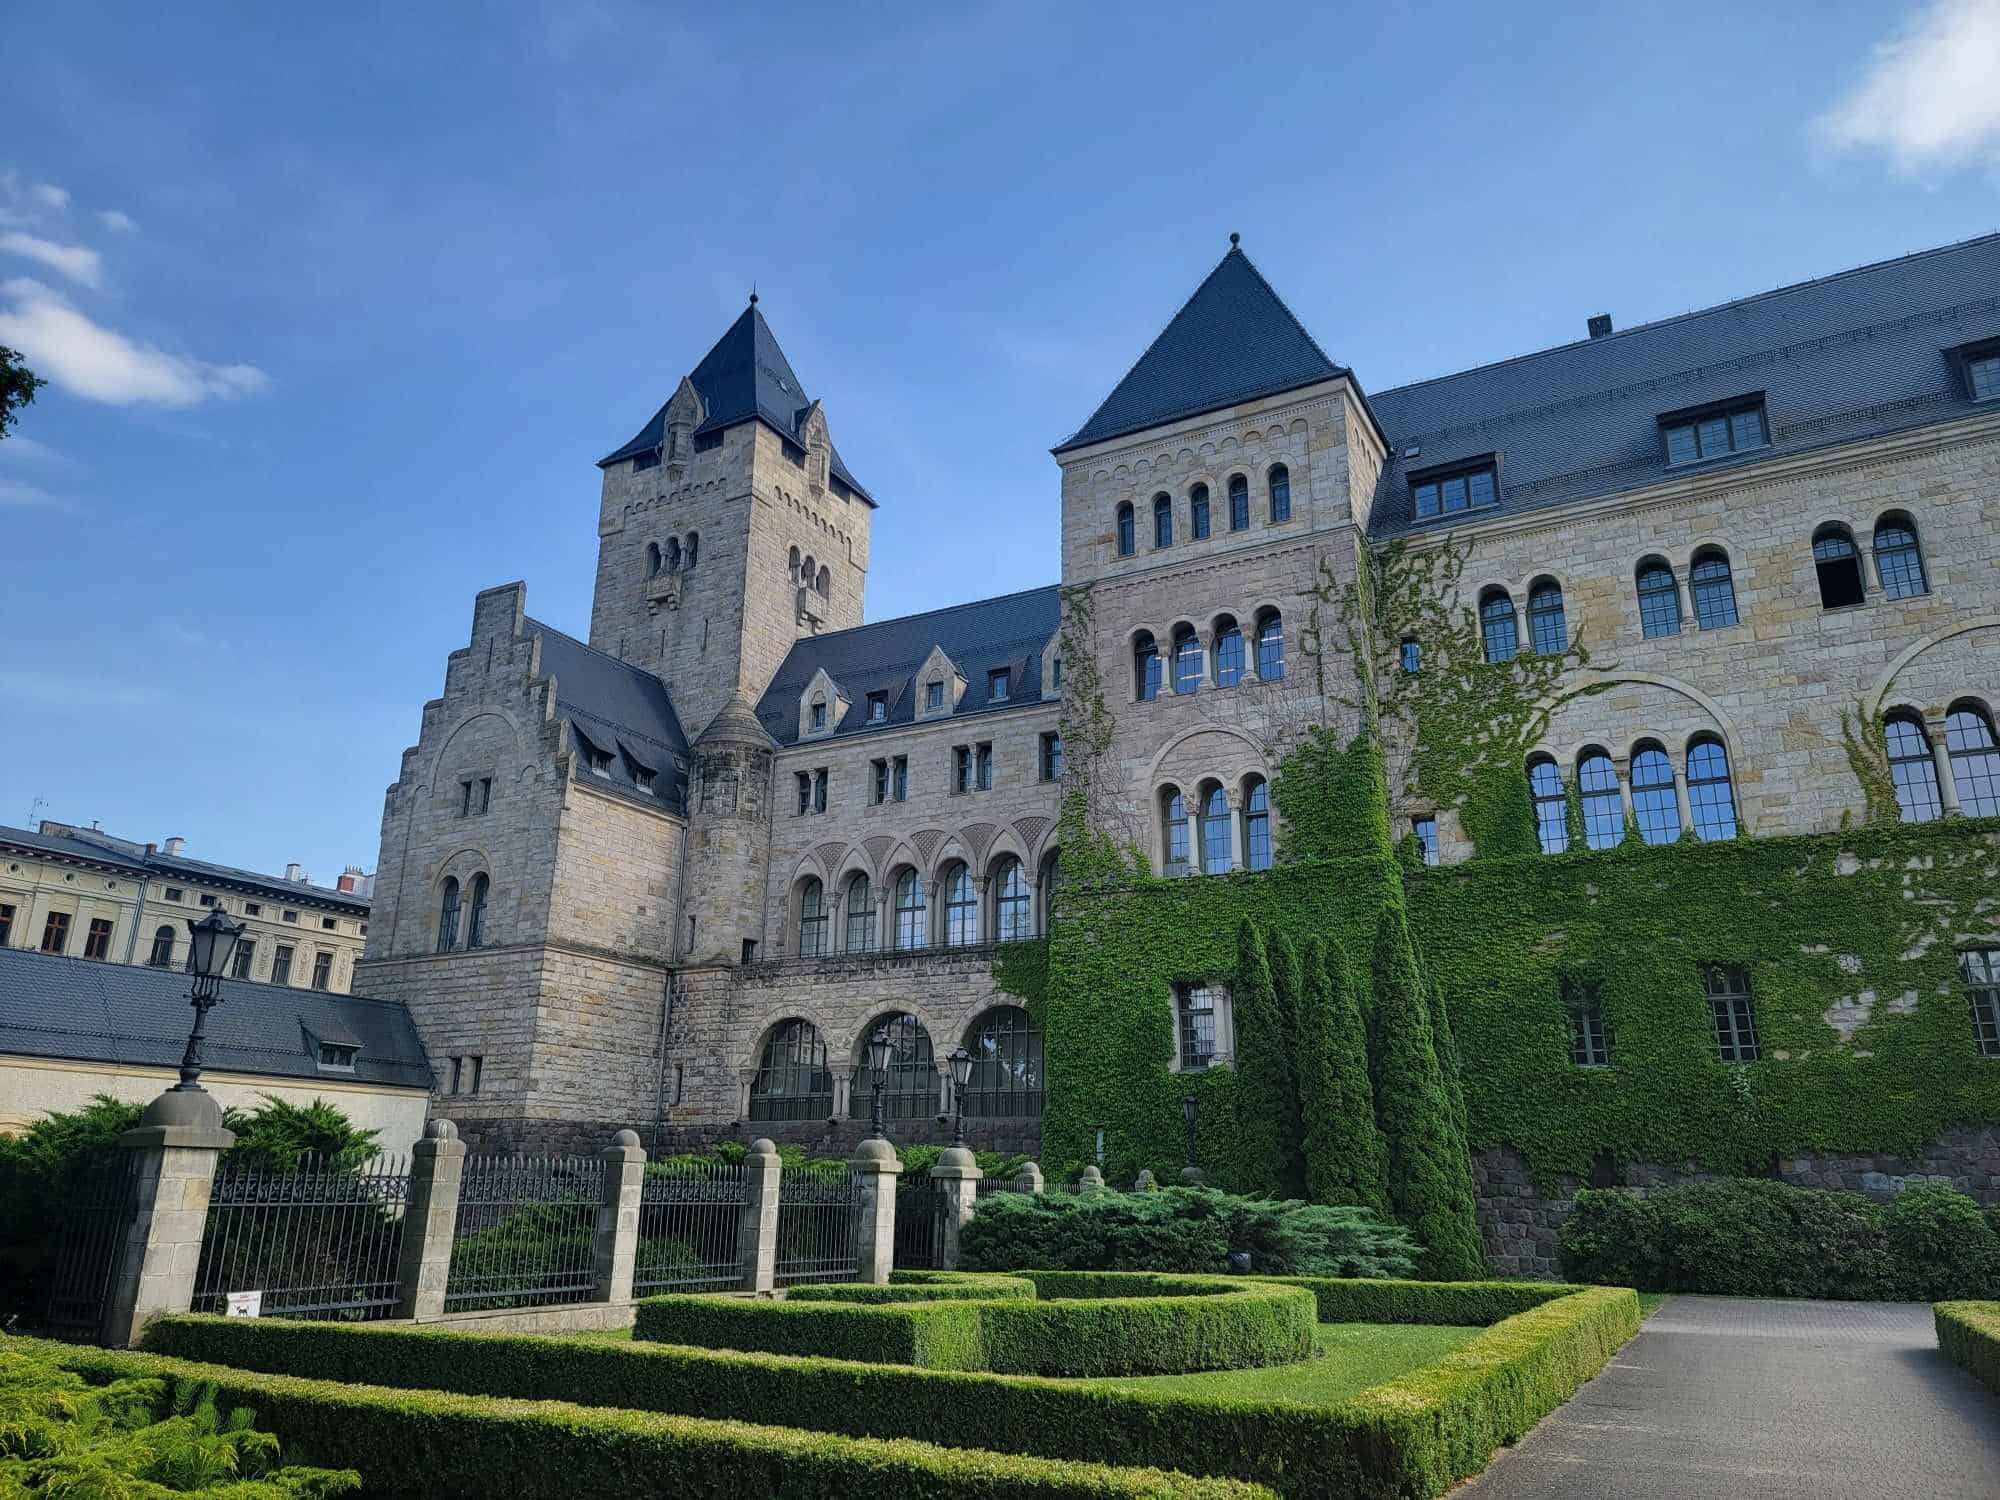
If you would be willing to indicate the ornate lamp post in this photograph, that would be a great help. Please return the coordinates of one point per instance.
(1190, 1107)
(879, 1052)
(961, 1075)
(212, 943)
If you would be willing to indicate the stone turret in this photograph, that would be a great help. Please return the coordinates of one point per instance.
(728, 842)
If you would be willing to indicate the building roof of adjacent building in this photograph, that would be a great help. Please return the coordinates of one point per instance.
(87, 1010)
(620, 711)
(1234, 340)
(745, 376)
(981, 637)
(66, 846)
(1861, 353)
(95, 845)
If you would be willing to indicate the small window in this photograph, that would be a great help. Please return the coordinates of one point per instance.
(688, 560)
(1412, 656)
(1163, 521)
(1198, 512)
(1056, 673)
(878, 781)
(818, 716)
(1551, 799)
(1145, 667)
(997, 683)
(1713, 589)
(484, 800)
(1052, 765)
(1659, 600)
(652, 559)
(252, 909)
(246, 955)
(328, 924)
(1127, 536)
(1426, 830)
(281, 965)
(819, 790)
(1654, 802)
(1498, 631)
(1981, 363)
(162, 954)
(97, 942)
(802, 783)
(1912, 769)
(1603, 806)
(1187, 659)
(878, 708)
(1270, 645)
(934, 695)
(1975, 760)
(1547, 627)
(1194, 1007)
(1256, 824)
(475, 923)
(1981, 968)
(982, 766)
(335, 1058)
(289, 916)
(1239, 503)
(961, 768)
(1711, 798)
(1735, 1016)
(1715, 432)
(749, 950)
(206, 899)
(1280, 480)
(173, 893)
(1229, 653)
(1589, 1035)
(447, 935)
(1446, 492)
(1839, 568)
(899, 779)
(6, 924)
(1899, 562)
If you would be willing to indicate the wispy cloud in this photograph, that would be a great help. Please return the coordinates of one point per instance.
(100, 364)
(18, 494)
(20, 446)
(64, 690)
(50, 196)
(117, 221)
(78, 262)
(1927, 100)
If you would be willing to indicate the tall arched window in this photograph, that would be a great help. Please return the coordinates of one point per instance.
(912, 919)
(792, 562)
(1545, 786)
(1838, 566)
(1711, 798)
(671, 561)
(792, 1081)
(1497, 628)
(808, 571)
(1006, 1082)
(1280, 479)
(1214, 832)
(825, 585)
(162, 956)
(1547, 628)
(1256, 824)
(1659, 600)
(812, 919)
(1975, 760)
(652, 559)
(1013, 903)
(1145, 666)
(1270, 645)
(961, 908)
(910, 1092)
(1899, 562)
(1653, 801)
(1228, 651)
(1603, 808)
(1187, 659)
(860, 916)
(475, 920)
(448, 916)
(1912, 769)
(1163, 521)
(1198, 512)
(1128, 534)
(1239, 503)
(1174, 832)
(1713, 589)
(693, 550)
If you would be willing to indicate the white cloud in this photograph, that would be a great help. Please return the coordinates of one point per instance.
(50, 196)
(28, 449)
(101, 364)
(78, 262)
(64, 690)
(117, 221)
(1928, 99)
(18, 494)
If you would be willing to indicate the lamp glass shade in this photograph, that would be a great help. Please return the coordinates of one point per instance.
(1189, 1106)
(878, 1055)
(212, 941)
(961, 1066)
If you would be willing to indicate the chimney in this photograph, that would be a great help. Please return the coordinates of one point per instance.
(293, 872)
(347, 880)
(173, 847)
(1600, 326)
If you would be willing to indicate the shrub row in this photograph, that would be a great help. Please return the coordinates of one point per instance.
(1463, 1304)
(434, 1443)
(917, 1286)
(1417, 1442)
(1969, 1335)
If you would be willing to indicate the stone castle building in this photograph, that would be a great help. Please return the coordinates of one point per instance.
(681, 870)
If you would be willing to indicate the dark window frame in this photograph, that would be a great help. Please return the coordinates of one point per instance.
(1732, 1012)
(1979, 968)
(1693, 419)
(1963, 360)
(1438, 477)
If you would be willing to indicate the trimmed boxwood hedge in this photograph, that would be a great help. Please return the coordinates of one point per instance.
(917, 1286)
(1969, 1335)
(439, 1446)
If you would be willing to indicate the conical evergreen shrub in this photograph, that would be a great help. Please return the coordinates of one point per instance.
(1262, 1066)
(1288, 990)
(1344, 1158)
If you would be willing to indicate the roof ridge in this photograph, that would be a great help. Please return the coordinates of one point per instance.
(1278, 297)
(139, 971)
(619, 661)
(942, 609)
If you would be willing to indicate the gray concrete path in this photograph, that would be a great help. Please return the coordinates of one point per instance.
(1742, 1398)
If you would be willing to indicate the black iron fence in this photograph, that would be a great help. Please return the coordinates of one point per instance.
(322, 1241)
(921, 1206)
(819, 1226)
(91, 1249)
(526, 1232)
(690, 1216)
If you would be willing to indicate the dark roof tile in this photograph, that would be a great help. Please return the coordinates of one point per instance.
(608, 701)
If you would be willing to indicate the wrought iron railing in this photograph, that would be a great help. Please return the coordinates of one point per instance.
(526, 1231)
(321, 1241)
(819, 1226)
(690, 1216)
(97, 1219)
(920, 1209)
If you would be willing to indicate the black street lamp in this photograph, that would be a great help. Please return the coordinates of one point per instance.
(879, 1052)
(961, 1075)
(1190, 1107)
(212, 941)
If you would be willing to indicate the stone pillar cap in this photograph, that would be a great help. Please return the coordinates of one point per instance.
(764, 1146)
(876, 1154)
(957, 1161)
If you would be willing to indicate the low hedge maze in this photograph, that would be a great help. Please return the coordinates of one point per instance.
(1969, 1335)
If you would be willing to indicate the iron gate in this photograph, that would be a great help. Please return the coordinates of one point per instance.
(91, 1251)
(690, 1218)
(921, 1207)
(819, 1226)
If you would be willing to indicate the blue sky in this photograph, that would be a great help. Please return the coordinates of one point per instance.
(341, 304)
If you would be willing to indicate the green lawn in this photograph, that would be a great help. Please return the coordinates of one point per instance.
(1353, 1356)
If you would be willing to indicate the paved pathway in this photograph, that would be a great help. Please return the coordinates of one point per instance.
(1748, 1399)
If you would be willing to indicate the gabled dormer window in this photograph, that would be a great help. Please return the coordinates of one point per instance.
(878, 708)
(1446, 491)
(818, 717)
(1716, 430)
(997, 682)
(1981, 366)
(334, 1057)
(933, 696)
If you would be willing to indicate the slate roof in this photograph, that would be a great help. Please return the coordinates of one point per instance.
(1234, 340)
(1010, 631)
(167, 865)
(745, 375)
(1857, 354)
(86, 1010)
(622, 710)
(71, 848)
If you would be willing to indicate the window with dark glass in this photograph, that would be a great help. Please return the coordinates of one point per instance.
(910, 1091)
(1716, 431)
(1128, 541)
(1589, 1035)
(819, 790)
(1228, 652)
(1215, 832)
(1713, 590)
(982, 766)
(1982, 371)
(997, 682)
(819, 715)
(1899, 562)
(1052, 757)
(961, 768)
(162, 954)
(281, 965)
(1654, 803)
(1163, 521)
(1436, 493)
(812, 919)
(97, 941)
(1426, 830)
(933, 695)
(1280, 480)
(1603, 807)
(336, 1056)
(1239, 503)
(1546, 626)
(911, 915)
(1659, 600)
(1195, 1006)
(322, 974)
(1711, 798)
(1007, 1081)
(448, 916)
(6, 924)
(1498, 631)
(1256, 825)
(961, 909)
(475, 923)
(1975, 760)
(1198, 512)
(878, 781)
(1187, 659)
(803, 781)
(1174, 833)
(1912, 769)
(1013, 903)
(1270, 645)
(1735, 1016)
(878, 708)
(1551, 799)
(1839, 568)
(1412, 656)
(1981, 968)
(792, 1081)
(246, 955)
(860, 916)
(899, 779)
(1145, 667)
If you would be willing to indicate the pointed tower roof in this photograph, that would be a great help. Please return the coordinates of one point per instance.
(745, 376)
(736, 723)
(1233, 340)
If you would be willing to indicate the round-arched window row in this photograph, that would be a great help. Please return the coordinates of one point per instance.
(951, 913)
(466, 905)
(673, 557)
(1277, 511)
(1664, 799)
(1187, 665)
(1899, 562)
(1202, 834)
(1961, 774)
(794, 1081)
(808, 572)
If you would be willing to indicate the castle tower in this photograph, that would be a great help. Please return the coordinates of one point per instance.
(728, 528)
(728, 838)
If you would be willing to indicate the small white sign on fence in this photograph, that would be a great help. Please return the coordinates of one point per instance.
(245, 1304)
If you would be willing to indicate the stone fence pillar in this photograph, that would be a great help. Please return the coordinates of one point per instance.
(1030, 1180)
(1089, 1180)
(430, 1219)
(757, 1228)
(176, 1145)
(876, 1168)
(957, 1177)
(615, 1245)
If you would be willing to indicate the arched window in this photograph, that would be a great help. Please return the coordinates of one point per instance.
(1270, 645)
(1174, 833)
(961, 908)
(671, 561)
(809, 571)
(1013, 903)
(1198, 512)
(825, 582)
(910, 1091)
(162, 956)
(1145, 666)
(1228, 651)
(652, 559)
(792, 1081)
(475, 921)
(1256, 824)
(1128, 540)
(1653, 801)
(1546, 626)
(693, 548)
(860, 916)
(1838, 566)
(448, 916)
(1899, 562)
(1187, 659)
(1239, 503)
(1214, 832)
(1603, 808)
(1545, 786)
(1912, 769)
(1497, 627)
(912, 917)
(1006, 1083)
(1711, 799)
(812, 919)
(1163, 521)
(1713, 589)
(1975, 761)
(1280, 479)
(792, 562)
(1659, 600)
